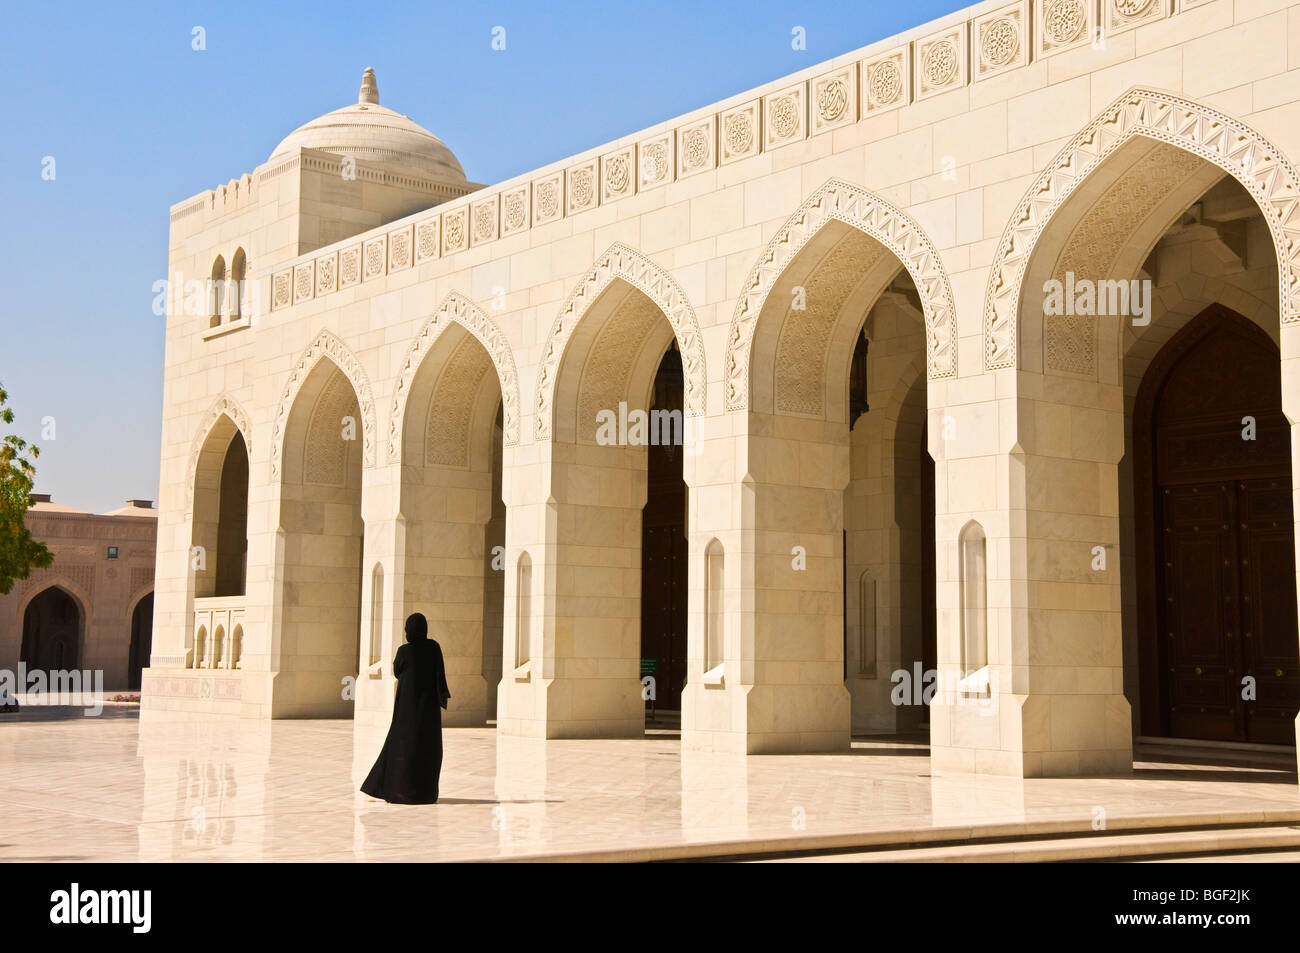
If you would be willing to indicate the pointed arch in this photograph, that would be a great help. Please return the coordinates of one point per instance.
(457, 309)
(1225, 142)
(898, 232)
(223, 406)
(326, 346)
(621, 262)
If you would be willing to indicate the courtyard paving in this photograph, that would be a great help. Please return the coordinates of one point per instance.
(116, 788)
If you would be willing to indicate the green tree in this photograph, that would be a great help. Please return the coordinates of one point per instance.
(19, 552)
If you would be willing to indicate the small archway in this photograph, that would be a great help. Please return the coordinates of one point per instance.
(141, 641)
(53, 631)
(217, 292)
(219, 520)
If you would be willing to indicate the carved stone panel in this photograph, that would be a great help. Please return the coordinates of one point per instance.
(426, 240)
(483, 221)
(696, 147)
(304, 281)
(582, 181)
(350, 266)
(617, 175)
(834, 99)
(1119, 16)
(1063, 25)
(514, 210)
(1000, 40)
(374, 258)
(281, 290)
(399, 249)
(327, 274)
(655, 161)
(886, 81)
(548, 198)
(740, 132)
(941, 62)
(785, 116)
(455, 230)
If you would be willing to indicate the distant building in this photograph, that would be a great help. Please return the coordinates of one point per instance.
(92, 608)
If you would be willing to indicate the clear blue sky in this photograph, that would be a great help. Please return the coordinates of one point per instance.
(137, 120)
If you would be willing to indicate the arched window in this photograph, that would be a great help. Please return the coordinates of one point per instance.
(376, 614)
(973, 572)
(237, 646)
(523, 611)
(200, 645)
(218, 640)
(867, 625)
(714, 615)
(238, 266)
(216, 292)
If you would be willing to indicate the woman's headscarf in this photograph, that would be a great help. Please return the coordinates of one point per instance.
(417, 627)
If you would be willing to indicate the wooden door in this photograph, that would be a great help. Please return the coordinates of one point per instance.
(1213, 449)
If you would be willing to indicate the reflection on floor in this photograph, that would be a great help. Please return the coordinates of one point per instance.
(113, 788)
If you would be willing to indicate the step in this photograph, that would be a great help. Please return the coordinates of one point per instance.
(1101, 846)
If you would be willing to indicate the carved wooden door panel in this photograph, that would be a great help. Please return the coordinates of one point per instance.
(1200, 629)
(1268, 609)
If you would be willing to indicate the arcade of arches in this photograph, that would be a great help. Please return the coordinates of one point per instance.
(783, 440)
(92, 608)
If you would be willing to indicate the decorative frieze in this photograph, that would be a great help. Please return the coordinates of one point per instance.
(987, 45)
(941, 62)
(834, 100)
(785, 116)
(1000, 41)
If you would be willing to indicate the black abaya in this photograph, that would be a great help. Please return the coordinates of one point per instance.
(407, 769)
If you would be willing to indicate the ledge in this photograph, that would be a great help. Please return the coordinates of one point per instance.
(227, 328)
(524, 673)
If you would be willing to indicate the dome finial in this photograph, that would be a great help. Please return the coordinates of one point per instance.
(369, 88)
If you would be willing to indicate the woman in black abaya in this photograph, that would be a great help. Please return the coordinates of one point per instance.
(408, 766)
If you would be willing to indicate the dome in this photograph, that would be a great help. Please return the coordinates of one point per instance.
(372, 133)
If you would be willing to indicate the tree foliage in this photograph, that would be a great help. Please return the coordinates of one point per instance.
(19, 551)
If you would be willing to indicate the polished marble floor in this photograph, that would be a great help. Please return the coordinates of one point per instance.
(115, 788)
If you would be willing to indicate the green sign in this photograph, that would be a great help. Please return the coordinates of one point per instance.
(649, 666)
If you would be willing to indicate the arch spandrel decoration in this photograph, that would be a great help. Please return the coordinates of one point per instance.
(1227, 143)
(897, 231)
(223, 406)
(457, 309)
(622, 262)
(327, 345)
